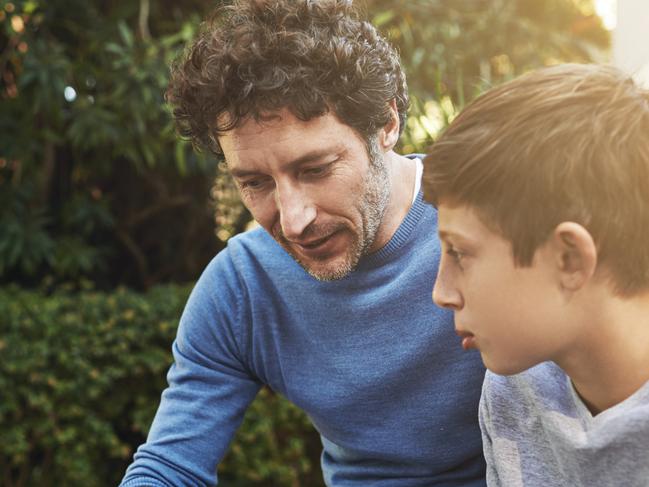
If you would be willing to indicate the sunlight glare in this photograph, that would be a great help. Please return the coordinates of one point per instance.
(607, 10)
(70, 94)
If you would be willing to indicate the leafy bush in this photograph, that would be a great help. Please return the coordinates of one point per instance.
(81, 376)
(108, 192)
(94, 182)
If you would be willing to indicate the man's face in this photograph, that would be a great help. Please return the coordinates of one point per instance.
(513, 315)
(313, 186)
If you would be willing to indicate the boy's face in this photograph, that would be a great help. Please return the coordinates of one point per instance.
(513, 315)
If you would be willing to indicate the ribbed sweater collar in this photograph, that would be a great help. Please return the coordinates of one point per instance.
(400, 237)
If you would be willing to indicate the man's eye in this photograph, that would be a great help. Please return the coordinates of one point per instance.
(317, 170)
(252, 184)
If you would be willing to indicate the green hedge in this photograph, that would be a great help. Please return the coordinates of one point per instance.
(80, 380)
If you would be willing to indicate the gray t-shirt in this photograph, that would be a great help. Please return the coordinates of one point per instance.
(537, 432)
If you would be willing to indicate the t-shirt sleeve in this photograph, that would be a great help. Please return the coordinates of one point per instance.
(209, 388)
(485, 429)
(501, 432)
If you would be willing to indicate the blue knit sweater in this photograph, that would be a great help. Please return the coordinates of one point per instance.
(373, 362)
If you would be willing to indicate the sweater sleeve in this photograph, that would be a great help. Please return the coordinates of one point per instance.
(209, 388)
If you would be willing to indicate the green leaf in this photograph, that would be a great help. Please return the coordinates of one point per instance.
(125, 33)
(382, 18)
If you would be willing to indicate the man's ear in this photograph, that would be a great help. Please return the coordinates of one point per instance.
(389, 134)
(575, 255)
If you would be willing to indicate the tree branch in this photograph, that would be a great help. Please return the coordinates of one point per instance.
(145, 34)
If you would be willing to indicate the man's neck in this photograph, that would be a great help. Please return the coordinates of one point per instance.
(401, 174)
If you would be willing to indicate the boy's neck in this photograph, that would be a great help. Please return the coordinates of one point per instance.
(612, 360)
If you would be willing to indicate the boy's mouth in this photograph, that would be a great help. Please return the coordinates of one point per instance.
(468, 339)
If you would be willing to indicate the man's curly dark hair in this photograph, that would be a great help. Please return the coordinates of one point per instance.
(255, 57)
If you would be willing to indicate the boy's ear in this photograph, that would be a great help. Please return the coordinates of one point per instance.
(389, 134)
(575, 253)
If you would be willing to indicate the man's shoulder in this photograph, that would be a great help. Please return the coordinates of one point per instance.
(254, 244)
(244, 267)
(248, 254)
(254, 239)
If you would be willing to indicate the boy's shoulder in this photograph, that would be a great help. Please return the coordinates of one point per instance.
(538, 432)
(541, 401)
(543, 379)
(544, 387)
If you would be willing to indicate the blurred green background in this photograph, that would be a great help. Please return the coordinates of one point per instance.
(106, 217)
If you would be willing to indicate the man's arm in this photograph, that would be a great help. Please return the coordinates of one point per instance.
(209, 389)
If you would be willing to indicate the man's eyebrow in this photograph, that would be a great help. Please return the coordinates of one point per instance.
(312, 156)
(242, 173)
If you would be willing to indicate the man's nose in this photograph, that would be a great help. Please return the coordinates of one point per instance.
(445, 293)
(296, 210)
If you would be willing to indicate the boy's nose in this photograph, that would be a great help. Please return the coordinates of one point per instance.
(445, 294)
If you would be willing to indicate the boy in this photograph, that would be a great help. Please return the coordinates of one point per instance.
(542, 186)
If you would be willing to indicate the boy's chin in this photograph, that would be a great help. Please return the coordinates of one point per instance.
(505, 367)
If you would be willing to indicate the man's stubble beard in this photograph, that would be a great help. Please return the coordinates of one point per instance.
(371, 206)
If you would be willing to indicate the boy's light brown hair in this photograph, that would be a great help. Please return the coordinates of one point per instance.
(564, 143)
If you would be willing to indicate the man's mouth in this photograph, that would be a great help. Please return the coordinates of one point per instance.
(468, 339)
(317, 248)
(314, 243)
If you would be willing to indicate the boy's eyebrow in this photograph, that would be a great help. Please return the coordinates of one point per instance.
(445, 234)
(449, 234)
(312, 156)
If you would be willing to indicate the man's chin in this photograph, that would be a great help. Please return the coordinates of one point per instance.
(327, 270)
(332, 273)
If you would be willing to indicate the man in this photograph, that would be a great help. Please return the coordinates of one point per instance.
(328, 303)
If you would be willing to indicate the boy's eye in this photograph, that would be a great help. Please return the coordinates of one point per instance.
(453, 253)
(456, 255)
